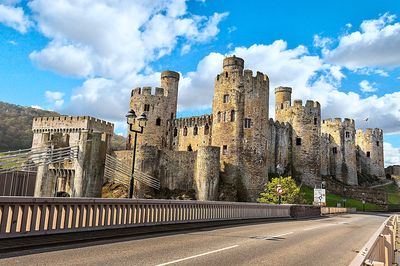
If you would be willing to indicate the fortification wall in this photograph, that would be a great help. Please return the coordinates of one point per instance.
(71, 124)
(370, 157)
(342, 149)
(190, 133)
(393, 170)
(325, 154)
(279, 143)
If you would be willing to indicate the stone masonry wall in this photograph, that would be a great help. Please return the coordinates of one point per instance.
(370, 155)
(342, 149)
(279, 143)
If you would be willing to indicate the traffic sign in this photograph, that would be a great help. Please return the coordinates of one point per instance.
(279, 189)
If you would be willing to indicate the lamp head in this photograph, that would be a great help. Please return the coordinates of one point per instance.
(130, 116)
(142, 120)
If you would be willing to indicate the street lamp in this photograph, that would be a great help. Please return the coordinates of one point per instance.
(130, 120)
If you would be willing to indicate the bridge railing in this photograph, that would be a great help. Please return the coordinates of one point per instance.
(25, 216)
(380, 248)
(335, 210)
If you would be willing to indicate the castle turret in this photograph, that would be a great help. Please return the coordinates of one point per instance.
(342, 149)
(282, 95)
(370, 157)
(159, 104)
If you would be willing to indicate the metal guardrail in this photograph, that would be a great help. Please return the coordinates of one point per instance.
(118, 171)
(29, 158)
(380, 248)
(335, 210)
(26, 216)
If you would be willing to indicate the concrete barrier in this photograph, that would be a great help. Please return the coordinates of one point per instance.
(299, 211)
(380, 248)
(336, 210)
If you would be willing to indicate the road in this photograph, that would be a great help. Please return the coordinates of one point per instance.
(327, 241)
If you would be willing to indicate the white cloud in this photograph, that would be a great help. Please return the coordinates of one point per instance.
(392, 154)
(113, 39)
(365, 86)
(37, 107)
(376, 44)
(55, 98)
(14, 17)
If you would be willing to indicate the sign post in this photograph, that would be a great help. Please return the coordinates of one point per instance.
(279, 190)
(319, 196)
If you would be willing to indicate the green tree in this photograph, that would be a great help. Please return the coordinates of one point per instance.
(291, 192)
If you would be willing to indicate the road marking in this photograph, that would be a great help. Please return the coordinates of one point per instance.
(195, 256)
(272, 237)
(316, 227)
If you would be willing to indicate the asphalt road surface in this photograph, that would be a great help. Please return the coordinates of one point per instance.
(331, 240)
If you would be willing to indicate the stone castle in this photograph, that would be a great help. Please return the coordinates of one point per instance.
(228, 155)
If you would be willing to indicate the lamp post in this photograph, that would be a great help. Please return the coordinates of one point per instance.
(130, 120)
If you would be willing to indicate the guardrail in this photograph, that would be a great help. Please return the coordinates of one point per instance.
(380, 248)
(334, 210)
(26, 216)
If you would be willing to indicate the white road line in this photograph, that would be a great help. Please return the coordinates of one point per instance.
(316, 227)
(285, 234)
(195, 256)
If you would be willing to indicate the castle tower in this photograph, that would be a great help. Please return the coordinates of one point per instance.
(160, 105)
(240, 121)
(342, 149)
(282, 95)
(306, 123)
(370, 157)
(228, 110)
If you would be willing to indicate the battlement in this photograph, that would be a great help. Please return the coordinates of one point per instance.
(233, 63)
(309, 104)
(170, 74)
(72, 122)
(157, 91)
(347, 122)
(278, 124)
(192, 121)
(259, 75)
(370, 133)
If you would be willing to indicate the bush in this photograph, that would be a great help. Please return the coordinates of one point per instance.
(290, 195)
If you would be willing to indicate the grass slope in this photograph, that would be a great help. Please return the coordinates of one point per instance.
(333, 199)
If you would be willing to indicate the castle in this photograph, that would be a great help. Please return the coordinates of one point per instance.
(227, 155)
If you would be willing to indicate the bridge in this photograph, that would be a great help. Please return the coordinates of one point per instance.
(93, 231)
(89, 231)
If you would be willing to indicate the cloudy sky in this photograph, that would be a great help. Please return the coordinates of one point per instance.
(82, 57)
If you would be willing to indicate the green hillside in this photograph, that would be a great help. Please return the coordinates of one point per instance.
(16, 125)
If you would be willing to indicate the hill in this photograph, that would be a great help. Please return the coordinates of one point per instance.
(16, 127)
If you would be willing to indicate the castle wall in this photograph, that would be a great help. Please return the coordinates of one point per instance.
(279, 143)
(190, 133)
(370, 157)
(325, 154)
(342, 149)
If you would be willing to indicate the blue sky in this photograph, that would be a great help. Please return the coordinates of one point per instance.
(83, 57)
